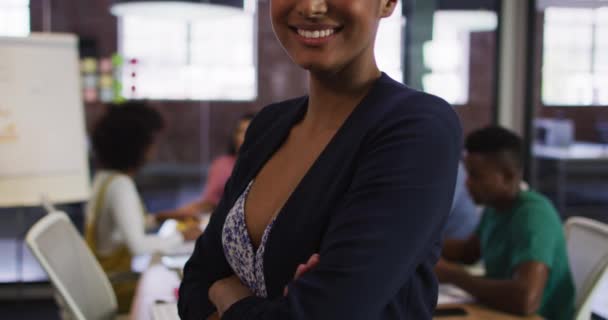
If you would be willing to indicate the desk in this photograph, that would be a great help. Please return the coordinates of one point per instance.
(451, 296)
(569, 159)
(478, 312)
(168, 311)
(474, 312)
(159, 282)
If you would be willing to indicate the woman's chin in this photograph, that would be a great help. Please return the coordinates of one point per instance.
(316, 67)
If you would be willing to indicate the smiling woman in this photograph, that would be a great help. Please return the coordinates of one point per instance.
(338, 199)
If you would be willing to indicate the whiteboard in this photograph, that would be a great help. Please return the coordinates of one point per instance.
(43, 148)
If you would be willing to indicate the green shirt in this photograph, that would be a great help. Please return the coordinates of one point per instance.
(530, 231)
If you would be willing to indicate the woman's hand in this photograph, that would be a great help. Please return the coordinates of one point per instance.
(226, 292)
(312, 262)
(191, 232)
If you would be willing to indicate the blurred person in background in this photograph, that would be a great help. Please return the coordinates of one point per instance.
(217, 176)
(520, 237)
(123, 141)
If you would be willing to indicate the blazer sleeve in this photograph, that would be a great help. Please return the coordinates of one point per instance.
(208, 263)
(383, 228)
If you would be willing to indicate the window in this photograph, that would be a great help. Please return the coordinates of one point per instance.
(575, 57)
(448, 54)
(14, 17)
(170, 59)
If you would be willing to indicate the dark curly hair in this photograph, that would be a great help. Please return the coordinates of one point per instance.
(123, 135)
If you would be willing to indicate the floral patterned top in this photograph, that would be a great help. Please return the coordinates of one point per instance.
(247, 263)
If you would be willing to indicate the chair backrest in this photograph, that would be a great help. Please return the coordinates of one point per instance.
(72, 268)
(588, 254)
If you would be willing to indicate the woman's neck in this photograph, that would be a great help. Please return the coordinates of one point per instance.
(333, 96)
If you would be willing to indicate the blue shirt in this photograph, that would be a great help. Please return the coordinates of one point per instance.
(464, 216)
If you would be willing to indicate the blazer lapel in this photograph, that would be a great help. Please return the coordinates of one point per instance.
(251, 161)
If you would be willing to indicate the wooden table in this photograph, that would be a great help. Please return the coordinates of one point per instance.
(159, 281)
(478, 312)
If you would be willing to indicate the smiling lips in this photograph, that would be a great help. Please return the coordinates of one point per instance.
(315, 35)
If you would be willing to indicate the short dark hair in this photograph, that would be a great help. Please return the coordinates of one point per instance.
(502, 144)
(124, 133)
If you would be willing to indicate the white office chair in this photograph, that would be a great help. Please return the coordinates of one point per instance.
(588, 254)
(77, 276)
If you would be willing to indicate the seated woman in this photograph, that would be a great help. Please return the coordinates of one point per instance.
(219, 172)
(123, 140)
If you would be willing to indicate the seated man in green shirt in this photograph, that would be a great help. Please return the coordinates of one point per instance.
(520, 236)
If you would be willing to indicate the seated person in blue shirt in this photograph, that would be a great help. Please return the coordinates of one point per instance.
(464, 216)
(520, 236)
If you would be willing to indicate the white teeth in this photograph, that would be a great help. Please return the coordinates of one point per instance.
(315, 34)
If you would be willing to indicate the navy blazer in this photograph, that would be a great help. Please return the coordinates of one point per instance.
(372, 205)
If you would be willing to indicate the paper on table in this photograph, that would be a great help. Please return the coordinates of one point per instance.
(157, 283)
(450, 294)
(170, 226)
(185, 248)
(175, 262)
